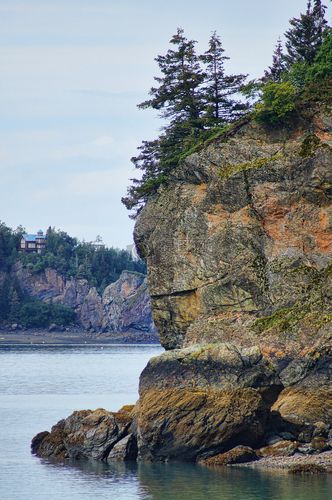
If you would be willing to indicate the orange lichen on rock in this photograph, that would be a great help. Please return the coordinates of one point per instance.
(305, 405)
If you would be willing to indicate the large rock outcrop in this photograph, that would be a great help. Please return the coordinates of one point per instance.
(238, 248)
(123, 306)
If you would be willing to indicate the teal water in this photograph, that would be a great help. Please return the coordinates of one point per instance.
(39, 385)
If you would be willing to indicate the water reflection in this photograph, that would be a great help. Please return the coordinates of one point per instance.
(42, 385)
(177, 481)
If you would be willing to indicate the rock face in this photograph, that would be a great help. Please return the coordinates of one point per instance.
(238, 455)
(239, 248)
(124, 305)
(190, 424)
(98, 435)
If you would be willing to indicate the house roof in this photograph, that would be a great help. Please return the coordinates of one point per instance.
(31, 237)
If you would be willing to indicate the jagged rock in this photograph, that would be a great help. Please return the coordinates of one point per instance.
(51, 444)
(188, 399)
(238, 248)
(125, 450)
(91, 313)
(37, 440)
(123, 306)
(305, 405)
(320, 444)
(239, 245)
(84, 434)
(126, 304)
(300, 406)
(238, 455)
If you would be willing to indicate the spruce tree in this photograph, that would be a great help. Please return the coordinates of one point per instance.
(306, 34)
(177, 95)
(219, 89)
(275, 72)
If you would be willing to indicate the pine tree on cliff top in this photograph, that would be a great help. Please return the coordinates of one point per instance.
(219, 88)
(306, 34)
(178, 96)
(275, 72)
(192, 101)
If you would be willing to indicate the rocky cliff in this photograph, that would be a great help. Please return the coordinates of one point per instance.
(239, 249)
(122, 307)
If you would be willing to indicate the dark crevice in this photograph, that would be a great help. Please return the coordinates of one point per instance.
(174, 294)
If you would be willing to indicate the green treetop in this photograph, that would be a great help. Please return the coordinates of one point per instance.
(219, 89)
(305, 36)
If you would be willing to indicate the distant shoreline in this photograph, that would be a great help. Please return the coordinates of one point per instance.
(75, 338)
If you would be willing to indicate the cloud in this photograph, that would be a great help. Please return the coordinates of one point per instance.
(85, 185)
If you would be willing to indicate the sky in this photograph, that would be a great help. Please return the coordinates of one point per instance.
(72, 74)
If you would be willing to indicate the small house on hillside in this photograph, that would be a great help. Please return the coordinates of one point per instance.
(33, 242)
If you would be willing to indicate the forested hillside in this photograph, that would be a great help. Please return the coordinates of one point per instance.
(99, 266)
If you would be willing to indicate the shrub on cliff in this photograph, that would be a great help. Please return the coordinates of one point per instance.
(278, 102)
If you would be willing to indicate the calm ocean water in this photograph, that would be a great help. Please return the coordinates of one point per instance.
(39, 385)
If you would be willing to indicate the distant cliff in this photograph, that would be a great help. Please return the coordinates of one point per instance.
(123, 306)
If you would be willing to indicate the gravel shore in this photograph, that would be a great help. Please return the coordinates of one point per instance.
(323, 460)
(41, 337)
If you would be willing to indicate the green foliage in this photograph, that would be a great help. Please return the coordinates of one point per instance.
(321, 68)
(229, 170)
(171, 155)
(99, 266)
(278, 68)
(309, 145)
(305, 35)
(177, 95)
(278, 102)
(9, 245)
(219, 89)
(37, 314)
(196, 95)
(197, 98)
(297, 75)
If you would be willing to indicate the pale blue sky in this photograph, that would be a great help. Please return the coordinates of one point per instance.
(72, 72)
